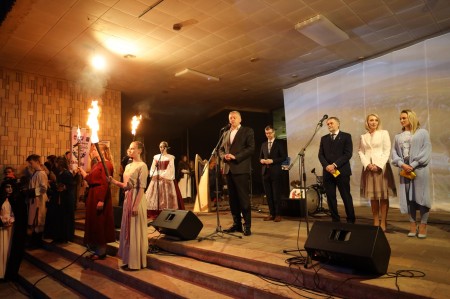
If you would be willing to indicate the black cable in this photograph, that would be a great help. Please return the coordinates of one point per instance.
(405, 274)
(153, 248)
(59, 270)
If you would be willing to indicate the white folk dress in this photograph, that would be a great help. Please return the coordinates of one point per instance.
(161, 193)
(6, 231)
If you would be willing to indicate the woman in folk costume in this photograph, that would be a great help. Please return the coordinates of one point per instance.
(37, 199)
(99, 224)
(377, 177)
(6, 225)
(412, 155)
(162, 192)
(133, 230)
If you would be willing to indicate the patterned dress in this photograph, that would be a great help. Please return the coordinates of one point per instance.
(161, 193)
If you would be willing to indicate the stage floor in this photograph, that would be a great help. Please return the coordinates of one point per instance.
(409, 256)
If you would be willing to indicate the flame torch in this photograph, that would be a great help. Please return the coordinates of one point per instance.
(135, 121)
(92, 122)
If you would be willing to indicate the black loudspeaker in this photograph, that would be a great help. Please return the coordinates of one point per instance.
(363, 248)
(182, 224)
(117, 216)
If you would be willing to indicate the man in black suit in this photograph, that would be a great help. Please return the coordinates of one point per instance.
(335, 152)
(236, 151)
(271, 156)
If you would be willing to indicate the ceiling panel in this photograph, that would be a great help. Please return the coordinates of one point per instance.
(219, 37)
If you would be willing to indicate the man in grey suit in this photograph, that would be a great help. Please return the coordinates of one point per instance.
(271, 156)
(236, 151)
(335, 152)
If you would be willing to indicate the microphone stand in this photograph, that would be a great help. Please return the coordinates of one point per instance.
(302, 176)
(218, 232)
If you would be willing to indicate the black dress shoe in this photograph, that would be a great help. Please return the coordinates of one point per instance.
(247, 231)
(234, 228)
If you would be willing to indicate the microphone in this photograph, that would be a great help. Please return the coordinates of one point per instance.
(168, 147)
(323, 118)
(226, 127)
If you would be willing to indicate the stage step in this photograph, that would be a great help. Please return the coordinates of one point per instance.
(78, 277)
(217, 272)
(235, 283)
(106, 276)
(48, 287)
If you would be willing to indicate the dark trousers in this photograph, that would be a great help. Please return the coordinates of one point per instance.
(273, 195)
(239, 193)
(342, 182)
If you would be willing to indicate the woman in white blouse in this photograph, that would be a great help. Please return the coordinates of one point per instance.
(162, 192)
(377, 177)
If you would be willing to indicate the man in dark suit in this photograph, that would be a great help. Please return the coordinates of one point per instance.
(335, 152)
(271, 156)
(236, 151)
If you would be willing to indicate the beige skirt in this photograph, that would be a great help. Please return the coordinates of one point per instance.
(378, 185)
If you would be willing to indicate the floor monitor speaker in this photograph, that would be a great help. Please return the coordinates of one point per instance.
(182, 224)
(363, 248)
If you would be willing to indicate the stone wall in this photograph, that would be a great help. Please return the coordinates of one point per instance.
(37, 112)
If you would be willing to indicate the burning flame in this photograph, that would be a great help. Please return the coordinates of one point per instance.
(135, 121)
(92, 122)
(78, 133)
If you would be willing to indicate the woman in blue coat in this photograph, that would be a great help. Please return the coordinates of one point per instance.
(412, 154)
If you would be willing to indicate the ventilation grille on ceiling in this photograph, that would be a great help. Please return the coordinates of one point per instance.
(195, 74)
(321, 30)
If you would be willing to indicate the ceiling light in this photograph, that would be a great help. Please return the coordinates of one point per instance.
(321, 30)
(194, 73)
(98, 62)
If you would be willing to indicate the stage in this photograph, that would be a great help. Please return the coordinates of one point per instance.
(262, 254)
(226, 266)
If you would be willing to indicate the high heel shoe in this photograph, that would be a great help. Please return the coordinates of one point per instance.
(412, 230)
(422, 231)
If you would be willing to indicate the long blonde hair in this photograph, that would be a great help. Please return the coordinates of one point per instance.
(413, 121)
